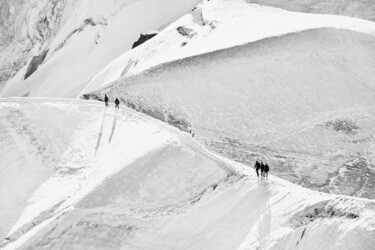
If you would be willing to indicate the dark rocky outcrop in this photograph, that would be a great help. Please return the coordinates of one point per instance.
(86, 23)
(143, 38)
(34, 64)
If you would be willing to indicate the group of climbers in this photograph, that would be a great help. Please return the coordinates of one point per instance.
(264, 169)
(117, 102)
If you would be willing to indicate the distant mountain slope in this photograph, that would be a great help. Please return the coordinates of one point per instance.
(303, 101)
(113, 179)
(26, 30)
(55, 48)
(77, 38)
(364, 9)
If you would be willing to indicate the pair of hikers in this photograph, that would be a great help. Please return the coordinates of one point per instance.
(117, 101)
(264, 169)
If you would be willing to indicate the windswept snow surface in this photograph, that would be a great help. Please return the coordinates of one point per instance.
(151, 187)
(304, 102)
(71, 142)
(89, 38)
(215, 25)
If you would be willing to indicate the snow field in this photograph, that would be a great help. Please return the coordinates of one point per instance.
(155, 187)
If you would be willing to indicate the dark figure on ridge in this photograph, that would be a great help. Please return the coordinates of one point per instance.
(257, 167)
(106, 100)
(262, 169)
(117, 102)
(266, 170)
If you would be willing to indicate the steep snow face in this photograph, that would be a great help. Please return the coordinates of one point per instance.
(303, 102)
(26, 30)
(117, 179)
(79, 43)
(216, 25)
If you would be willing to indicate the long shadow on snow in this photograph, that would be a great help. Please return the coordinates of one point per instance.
(100, 132)
(114, 125)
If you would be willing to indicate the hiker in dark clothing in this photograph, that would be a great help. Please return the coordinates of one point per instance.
(257, 167)
(262, 169)
(106, 100)
(117, 102)
(266, 170)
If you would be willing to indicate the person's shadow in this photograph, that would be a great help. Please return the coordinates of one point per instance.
(114, 125)
(264, 222)
(100, 132)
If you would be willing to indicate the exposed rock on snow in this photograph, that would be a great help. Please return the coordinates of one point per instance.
(34, 64)
(87, 22)
(144, 38)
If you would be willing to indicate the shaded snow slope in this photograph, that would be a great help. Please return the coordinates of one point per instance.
(364, 9)
(303, 102)
(215, 25)
(79, 45)
(150, 186)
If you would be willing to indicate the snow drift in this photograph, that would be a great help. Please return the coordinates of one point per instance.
(303, 101)
(111, 179)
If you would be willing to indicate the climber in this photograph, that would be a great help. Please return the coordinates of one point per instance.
(262, 169)
(257, 167)
(117, 102)
(106, 100)
(266, 170)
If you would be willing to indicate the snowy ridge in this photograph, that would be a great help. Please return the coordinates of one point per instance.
(155, 187)
(303, 101)
(214, 26)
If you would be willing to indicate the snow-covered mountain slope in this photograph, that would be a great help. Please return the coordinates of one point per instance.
(65, 149)
(111, 179)
(364, 9)
(26, 30)
(303, 101)
(216, 25)
(68, 42)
